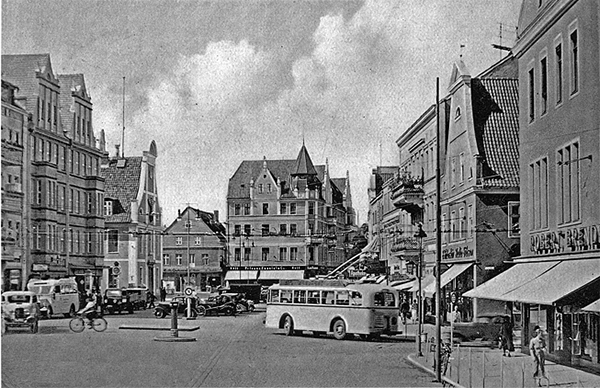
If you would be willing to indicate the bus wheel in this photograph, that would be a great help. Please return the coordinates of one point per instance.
(288, 326)
(339, 329)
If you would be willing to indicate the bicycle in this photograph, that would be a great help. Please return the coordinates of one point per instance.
(94, 321)
(446, 351)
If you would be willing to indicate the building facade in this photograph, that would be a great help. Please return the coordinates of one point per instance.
(557, 277)
(286, 219)
(133, 221)
(14, 212)
(195, 244)
(65, 190)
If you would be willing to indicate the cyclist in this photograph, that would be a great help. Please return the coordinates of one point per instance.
(89, 307)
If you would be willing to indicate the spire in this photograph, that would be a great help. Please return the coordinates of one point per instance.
(304, 166)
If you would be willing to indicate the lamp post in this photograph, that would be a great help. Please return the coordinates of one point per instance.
(420, 234)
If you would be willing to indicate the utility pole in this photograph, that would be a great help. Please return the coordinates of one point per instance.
(438, 248)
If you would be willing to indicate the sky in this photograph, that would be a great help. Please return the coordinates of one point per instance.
(218, 82)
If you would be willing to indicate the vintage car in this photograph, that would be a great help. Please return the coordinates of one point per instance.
(138, 297)
(164, 309)
(485, 327)
(241, 303)
(116, 300)
(20, 309)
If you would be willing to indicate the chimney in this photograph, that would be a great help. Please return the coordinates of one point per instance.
(216, 215)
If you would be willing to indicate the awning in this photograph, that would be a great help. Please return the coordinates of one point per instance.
(593, 307)
(448, 276)
(407, 285)
(241, 275)
(372, 247)
(276, 275)
(429, 279)
(543, 282)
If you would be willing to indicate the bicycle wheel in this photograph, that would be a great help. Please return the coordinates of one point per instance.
(99, 324)
(77, 324)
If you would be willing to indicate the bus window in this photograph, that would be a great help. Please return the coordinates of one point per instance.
(327, 297)
(384, 299)
(379, 299)
(355, 298)
(286, 296)
(314, 297)
(300, 296)
(342, 297)
(390, 300)
(274, 296)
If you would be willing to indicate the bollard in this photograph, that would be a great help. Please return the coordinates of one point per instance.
(174, 331)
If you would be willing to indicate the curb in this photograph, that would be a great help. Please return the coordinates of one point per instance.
(126, 327)
(431, 372)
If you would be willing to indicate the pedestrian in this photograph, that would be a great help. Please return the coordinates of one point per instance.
(405, 310)
(163, 294)
(506, 337)
(414, 307)
(151, 299)
(456, 315)
(537, 349)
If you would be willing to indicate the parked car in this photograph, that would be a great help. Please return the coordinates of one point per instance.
(485, 327)
(138, 297)
(241, 303)
(215, 305)
(163, 309)
(20, 309)
(116, 300)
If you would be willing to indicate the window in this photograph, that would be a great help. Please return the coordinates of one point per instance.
(237, 230)
(198, 240)
(108, 207)
(283, 229)
(178, 240)
(444, 229)
(574, 42)
(247, 253)
(192, 259)
(461, 222)
(462, 166)
(469, 220)
(247, 230)
(283, 208)
(453, 225)
(265, 208)
(179, 258)
(265, 254)
(313, 297)
(544, 85)
(531, 93)
(238, 254)
(293, 253)
(292, 208)
(539, 193)
(558, 59)
(246, 209)
(299, 296)
(457, 114)
(569, 189)
(513, 220)
(269, 189)
(282, 254)
(293, 230)
(311, 208)
(237, 209)
(260, 188)
(265, 229)
(205, 258)
(113, 241)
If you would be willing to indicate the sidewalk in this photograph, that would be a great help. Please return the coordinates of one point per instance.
(480, 367)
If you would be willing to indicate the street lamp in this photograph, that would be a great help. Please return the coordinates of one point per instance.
(420, 235)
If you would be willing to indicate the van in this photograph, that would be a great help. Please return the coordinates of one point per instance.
(56, 296)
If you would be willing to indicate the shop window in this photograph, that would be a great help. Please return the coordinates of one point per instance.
(514, 214)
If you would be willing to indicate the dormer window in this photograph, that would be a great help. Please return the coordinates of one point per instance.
(108, 207)
(457, 114)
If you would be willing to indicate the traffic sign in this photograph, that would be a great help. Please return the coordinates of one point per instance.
(189, 291)
(116, 270)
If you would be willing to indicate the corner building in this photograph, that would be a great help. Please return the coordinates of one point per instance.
(286, 219)
(556, 279)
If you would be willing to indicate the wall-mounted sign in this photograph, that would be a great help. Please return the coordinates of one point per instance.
(457, 253)
(566, 240)
(275, 268)
(39, 267)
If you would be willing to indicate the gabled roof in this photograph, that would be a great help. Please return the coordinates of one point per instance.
(122, 182)
(21, 70)
(239, 183)
(304, 166)
(496, 122)
(69, 84)
(207, 218)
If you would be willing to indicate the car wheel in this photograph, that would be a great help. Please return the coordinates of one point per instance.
(229, 310)
(159, 314)
(239, 308)
(339, 329)
(35, 327)
(288, 326)
(201, 310)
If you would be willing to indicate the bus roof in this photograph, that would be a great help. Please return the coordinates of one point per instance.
(327, 283)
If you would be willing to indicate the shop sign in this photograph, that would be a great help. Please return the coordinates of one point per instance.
(566, 240)
(39, 267)
(259, 268)
(457, 253)
(356, 274)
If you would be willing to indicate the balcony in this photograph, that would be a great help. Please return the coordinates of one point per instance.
(407, 193)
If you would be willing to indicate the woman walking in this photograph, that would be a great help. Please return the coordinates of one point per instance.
(506, 337)
(537, 349)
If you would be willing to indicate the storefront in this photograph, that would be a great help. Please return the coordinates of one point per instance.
(558, 294)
